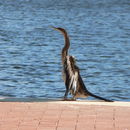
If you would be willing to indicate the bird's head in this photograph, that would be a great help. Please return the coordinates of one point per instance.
(60, 29)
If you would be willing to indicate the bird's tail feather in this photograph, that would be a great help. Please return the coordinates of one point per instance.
(93, 95)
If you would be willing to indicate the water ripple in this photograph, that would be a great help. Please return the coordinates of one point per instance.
(30, 60)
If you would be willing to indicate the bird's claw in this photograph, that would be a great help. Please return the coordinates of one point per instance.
(69, 99)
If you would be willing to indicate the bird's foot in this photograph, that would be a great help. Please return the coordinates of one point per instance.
(69, 99)
(72, 99)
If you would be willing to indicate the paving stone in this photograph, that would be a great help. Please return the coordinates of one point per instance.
(62, 115)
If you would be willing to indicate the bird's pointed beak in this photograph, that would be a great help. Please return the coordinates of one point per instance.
(54, 27)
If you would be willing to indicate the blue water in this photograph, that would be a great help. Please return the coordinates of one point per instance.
(30, 51)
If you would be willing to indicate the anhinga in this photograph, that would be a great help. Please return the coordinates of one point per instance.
(71, 74)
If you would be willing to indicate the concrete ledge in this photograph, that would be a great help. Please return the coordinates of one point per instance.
(82, 102)
(92, 102)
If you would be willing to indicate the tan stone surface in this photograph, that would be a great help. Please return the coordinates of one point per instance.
(65, 115)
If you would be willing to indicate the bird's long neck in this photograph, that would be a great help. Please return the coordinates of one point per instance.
(66, 47)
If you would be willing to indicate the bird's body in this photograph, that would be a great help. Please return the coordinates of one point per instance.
(71, 73)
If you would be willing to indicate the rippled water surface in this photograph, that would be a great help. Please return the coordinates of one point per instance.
(30, 51)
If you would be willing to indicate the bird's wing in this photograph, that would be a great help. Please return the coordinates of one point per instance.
(70, 75)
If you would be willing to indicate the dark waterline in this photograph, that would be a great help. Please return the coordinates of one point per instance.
(30, 62)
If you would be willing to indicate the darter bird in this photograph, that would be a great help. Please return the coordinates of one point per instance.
(71, 73)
